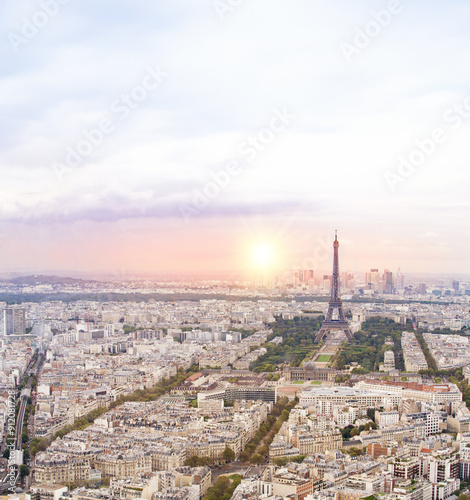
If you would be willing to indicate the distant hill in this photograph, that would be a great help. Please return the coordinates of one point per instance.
(39, 279)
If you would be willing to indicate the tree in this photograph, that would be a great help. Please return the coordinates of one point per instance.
(438, 380)
(229, 454)
(219, 489)
(24, 471)
(192, 461)
(256, 459)
(204, 461)
(340, 363)
(359, 371)
(244, 456)
(346, 432)
(250, 448)
(263, 450)
(355, 452)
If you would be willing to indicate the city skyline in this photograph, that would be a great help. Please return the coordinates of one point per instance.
(176, 138)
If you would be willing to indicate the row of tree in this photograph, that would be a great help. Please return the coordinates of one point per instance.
(12, 298)
(223, 488)
(140, 395)
(257, 448)
(194, 461)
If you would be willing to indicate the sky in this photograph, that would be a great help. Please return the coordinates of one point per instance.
(183, 136)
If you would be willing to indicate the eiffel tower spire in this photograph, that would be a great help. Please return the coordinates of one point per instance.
(335, 319)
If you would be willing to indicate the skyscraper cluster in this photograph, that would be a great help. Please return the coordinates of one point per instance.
(386, 282)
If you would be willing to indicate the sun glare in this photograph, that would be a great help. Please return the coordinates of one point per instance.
(263, 255)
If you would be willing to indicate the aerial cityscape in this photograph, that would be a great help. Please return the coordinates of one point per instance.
(233, 250)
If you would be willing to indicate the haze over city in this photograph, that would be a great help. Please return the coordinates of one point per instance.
(175, 137)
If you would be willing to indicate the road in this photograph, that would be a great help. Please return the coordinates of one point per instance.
(25, 393)
(18, 442)
(233, 468)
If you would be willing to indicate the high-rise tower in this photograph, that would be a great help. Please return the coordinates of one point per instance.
(12, 321)
(335, 319)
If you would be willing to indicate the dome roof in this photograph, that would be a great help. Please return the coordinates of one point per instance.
(309, 366)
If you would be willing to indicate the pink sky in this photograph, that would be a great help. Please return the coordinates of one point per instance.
(160, 138)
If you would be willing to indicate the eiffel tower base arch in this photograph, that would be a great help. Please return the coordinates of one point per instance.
(328, 327)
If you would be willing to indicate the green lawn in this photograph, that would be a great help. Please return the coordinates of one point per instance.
(316, 382)
(323, 358)
(299, 382)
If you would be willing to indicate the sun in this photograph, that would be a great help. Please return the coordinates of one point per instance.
(263, 255)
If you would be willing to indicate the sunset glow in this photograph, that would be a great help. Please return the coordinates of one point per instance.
(212, 149)
(263, 256)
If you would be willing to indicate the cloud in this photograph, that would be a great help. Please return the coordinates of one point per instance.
(150, 201)
(428, 235)
(353, 121)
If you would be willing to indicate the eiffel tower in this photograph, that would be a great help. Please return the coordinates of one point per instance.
(335, 319)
